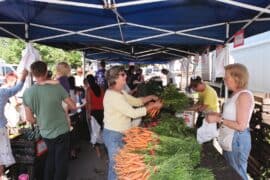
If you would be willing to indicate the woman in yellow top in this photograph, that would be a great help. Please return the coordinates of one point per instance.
(119, 108)
(208, 99)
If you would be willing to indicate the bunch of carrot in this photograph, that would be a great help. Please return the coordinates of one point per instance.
(138, 138)
(155, 111)
(130, 166)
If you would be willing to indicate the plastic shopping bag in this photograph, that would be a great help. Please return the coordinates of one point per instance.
(13, 117)
(96, 135)
(29, 55)
(206, 132)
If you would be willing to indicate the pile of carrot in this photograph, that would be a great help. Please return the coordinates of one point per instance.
(138, 138)
(130, 166)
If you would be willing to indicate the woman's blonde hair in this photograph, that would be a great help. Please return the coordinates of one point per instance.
(113, 73)
(63, 69)
(239, 73)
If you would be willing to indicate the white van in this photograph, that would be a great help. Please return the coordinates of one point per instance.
(4, 69)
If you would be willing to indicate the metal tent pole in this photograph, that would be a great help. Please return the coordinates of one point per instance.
(227, 56)
(83, 61)
(247, 6)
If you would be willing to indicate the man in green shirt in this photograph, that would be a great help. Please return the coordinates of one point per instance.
(43, 105)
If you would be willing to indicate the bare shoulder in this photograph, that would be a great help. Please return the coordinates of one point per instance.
(245, 97)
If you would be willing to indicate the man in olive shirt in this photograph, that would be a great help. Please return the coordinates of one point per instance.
(43, 105)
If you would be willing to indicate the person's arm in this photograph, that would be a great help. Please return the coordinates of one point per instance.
(122, 106)
(13, 90)
(243, 105)
(71, 104)
(133, 101)
(29, 115)
(88, 101)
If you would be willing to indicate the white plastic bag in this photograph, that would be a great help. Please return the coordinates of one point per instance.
(206, 132)
(29, 55)
(96, 136)
(13, 117)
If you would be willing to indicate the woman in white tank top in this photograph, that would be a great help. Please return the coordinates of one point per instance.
(235, 139)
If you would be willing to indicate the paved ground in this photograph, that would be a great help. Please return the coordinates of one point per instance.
(88, 166)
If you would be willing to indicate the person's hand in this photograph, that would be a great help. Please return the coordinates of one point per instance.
(201, 108)
(154, 105)
(24, 74)
(153, 97)
(212, 117)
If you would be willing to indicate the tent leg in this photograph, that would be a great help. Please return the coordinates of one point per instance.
(83, 63)
(227, 56)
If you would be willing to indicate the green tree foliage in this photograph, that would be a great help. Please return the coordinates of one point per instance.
(11, 49)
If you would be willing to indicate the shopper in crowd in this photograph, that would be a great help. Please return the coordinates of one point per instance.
(43, 105)
(74, 119)
(234, 135)
(139, 78)
(62, 72)
(8, 90)
(95, 100)
(131, 78)
(100, 76)
(79, 77)
(119, 108)
(208, 99)
(169, 76)
(94, 105)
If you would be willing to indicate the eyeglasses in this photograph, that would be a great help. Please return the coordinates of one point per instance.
(122, 74)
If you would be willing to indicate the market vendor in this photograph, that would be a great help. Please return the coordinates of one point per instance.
(208, 99)
(8, 90)
(119, 108)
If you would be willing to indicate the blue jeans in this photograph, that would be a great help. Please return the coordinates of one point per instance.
(113, 142)
(238, 157)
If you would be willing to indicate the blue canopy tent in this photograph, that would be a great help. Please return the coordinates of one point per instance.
(142, 30)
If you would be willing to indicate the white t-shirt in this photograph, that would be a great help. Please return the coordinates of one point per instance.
(79, 80)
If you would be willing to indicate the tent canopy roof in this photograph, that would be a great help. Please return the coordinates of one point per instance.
(133, 30)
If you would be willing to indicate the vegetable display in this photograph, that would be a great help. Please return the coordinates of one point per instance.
(174, 100)
(167, 151)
